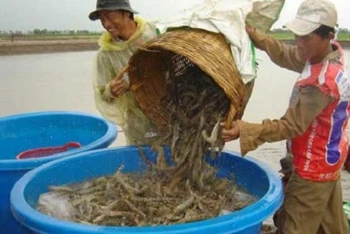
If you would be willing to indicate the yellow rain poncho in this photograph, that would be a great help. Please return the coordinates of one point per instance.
(111, 58)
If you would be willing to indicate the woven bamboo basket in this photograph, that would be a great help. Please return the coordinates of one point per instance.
(183, 47)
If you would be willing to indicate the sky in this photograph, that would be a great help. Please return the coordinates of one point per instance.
(26, 15)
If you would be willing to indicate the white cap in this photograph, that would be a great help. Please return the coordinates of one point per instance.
(311, 15)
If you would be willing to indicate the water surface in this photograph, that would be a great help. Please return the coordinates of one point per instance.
(62, 81)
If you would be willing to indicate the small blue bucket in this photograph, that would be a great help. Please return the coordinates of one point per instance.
(32, 132)
(251, 174)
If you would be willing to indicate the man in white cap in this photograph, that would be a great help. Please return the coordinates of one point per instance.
(315, 122)
(124, 34)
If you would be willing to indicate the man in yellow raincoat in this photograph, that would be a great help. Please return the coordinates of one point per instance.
(124, 34)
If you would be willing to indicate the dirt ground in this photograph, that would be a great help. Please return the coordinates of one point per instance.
(20, 46)
(35, 47)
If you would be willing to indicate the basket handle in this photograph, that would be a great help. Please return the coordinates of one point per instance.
(119, 77)
(136, 85)
(122, 72)
(230, 117)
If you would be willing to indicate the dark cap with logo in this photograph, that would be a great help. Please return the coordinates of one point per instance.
(111, 5)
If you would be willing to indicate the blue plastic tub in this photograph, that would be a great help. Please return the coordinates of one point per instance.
(254, 176)
(19, 133)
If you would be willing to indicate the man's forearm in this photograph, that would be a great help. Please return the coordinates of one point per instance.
(295, 121)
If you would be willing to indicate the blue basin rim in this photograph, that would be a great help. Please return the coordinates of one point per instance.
(14, 164)
(245, 218)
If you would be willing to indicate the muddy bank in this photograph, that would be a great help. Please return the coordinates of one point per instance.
(54, 46)
(65, 45)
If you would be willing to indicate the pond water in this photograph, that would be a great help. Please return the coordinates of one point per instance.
(62, 81)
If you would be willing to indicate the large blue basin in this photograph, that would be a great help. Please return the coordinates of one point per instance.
(19, 133)
(251, 174)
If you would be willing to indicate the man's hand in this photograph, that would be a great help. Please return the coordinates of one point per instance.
(231, 134)
(250, 30)
(119, 86)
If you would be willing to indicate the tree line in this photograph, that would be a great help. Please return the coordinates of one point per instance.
(282, 30)
(38, 32)
(279, 33)
(43, 32)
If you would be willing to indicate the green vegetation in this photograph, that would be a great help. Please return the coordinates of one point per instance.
(281, 34)
(44, 34)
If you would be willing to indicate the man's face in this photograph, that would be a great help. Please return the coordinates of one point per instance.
(312, 47)
(114, 22)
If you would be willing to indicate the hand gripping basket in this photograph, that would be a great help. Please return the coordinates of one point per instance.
(174, 52)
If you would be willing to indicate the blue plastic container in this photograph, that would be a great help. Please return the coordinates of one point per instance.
(23, 132)
(254, 176)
